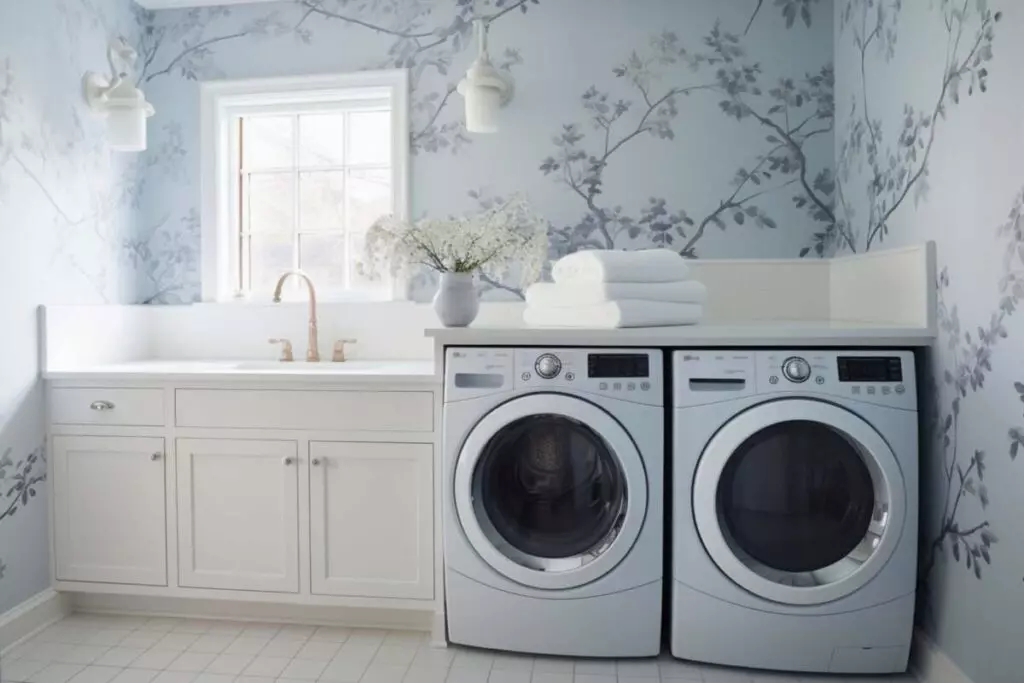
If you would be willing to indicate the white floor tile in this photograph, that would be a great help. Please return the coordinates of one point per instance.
(162, 624)
(550, 677)
(213, 678)
(135, 676)
(593, 678)
(43, 652)
(267, 631)
(408, 638)
(427, 673)
(678, 669)
(247, 645)
(476, 660)
(119, 656)
(226, 628)
(284, 648)
(395, 654)
(254, 679)
(719, 674)
(155, 658)
(175, 677)
(508, 676)
(333, 633)
(305, 669)
(344, 671)
(80, 654)
(211, 643)
(512, 662)
(296, 631)
(192, 661)
(21, 670)
(433, 657)
(322, 650)
(467, 675)
(146, 639)
(367, 636)
(96, 674)
(598, 667)
(229, 664)
(637, 668)
(176, 641)
(266, 666)
(553, 665)
(107, 636)
(192, 626)
(384, 673)
(56, 673)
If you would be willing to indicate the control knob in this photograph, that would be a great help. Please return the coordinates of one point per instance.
(796, 369)
(548, 366)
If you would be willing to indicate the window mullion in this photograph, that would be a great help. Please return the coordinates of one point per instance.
(296, 189)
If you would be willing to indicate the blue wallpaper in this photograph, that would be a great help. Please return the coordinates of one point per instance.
(703, 126)
(67, 212)
(928, 141)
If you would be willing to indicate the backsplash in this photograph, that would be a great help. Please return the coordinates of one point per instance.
(929, 136)
(67, 216)
(706, 127)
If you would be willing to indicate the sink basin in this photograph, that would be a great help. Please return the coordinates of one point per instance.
(352, 366)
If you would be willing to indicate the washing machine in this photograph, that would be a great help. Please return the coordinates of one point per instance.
(553, 499)
(795, 507)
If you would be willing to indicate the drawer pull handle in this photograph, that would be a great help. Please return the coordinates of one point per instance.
(316, 462)
(156, 456)
(101, 406)
(289, 460)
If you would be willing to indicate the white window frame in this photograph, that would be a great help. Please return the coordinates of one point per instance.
(223, 101)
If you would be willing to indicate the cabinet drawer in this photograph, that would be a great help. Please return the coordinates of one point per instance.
(99, 406)
(367, 411)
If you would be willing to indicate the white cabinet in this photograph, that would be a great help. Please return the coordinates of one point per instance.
(371, 519)
(109, 509)
(238, 514)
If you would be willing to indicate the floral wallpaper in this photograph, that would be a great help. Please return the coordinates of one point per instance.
(929, 133)
(705, 127)
(67, 218)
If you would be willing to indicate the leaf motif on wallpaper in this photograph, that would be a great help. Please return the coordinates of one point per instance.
(649, 89)
(885, 171)
(971, 363)
(19, 482)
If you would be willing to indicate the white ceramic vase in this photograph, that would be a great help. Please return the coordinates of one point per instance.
(456, 301)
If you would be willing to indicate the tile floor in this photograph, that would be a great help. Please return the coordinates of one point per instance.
(87, 648)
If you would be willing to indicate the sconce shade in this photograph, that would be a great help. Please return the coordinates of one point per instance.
(485, 88)
(122, 103)
(482, 105)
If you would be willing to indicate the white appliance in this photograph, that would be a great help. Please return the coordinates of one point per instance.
(794, 509)
(553, 486)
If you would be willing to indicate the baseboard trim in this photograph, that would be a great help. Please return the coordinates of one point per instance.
(931, 665)
(23, 621)
(158, 606)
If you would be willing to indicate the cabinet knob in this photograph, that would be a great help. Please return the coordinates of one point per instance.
(315, 462)
(101, 406)
(156, 456)
(288, 460)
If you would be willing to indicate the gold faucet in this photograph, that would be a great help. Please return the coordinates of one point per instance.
(313, 352)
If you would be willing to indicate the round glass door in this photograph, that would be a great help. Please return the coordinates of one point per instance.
(798, 501)
(550, 490)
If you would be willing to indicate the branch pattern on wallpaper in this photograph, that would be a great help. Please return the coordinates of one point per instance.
(789, 113)
(892, 169)
(19, 481)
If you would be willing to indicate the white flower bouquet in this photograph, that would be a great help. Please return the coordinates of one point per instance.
(507, 243)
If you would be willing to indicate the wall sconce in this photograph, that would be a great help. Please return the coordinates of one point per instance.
(117, 98)
(485, 88)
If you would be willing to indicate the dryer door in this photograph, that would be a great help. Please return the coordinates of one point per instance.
(799, 501)
(550, 490)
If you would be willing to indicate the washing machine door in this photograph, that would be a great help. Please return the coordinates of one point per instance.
(550, 491)
(799, 501)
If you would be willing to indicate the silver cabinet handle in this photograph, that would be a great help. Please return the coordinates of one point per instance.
(101, 406)
(315, 462)
(156, 456)
(288, 460)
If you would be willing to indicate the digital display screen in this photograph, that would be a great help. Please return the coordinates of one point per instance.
(618, 365)
(870, 369)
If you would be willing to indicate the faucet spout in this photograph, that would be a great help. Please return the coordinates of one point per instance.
(313, 352)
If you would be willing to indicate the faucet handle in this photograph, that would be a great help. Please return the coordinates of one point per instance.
(339, 349)
(286, 349)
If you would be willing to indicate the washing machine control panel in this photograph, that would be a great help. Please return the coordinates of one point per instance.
(630, 374)
(882, 377)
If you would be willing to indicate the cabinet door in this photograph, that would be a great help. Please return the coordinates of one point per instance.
(109, 509)
(371, 519)
(238, 514)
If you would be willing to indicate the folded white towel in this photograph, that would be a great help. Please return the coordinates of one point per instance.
(547, 294)
(605, 265)
(612, 314)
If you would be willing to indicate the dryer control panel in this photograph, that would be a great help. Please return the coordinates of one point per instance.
(882, 377)
(635, 375)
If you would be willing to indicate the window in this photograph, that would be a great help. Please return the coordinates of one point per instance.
(295, 171)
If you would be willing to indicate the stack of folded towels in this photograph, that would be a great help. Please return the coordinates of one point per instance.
(608, 289)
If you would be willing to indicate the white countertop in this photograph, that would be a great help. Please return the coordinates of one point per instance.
(355, 371)
(830, 333)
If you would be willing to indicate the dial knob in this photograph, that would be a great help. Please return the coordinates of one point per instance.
(548, 366)
(796, 369)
